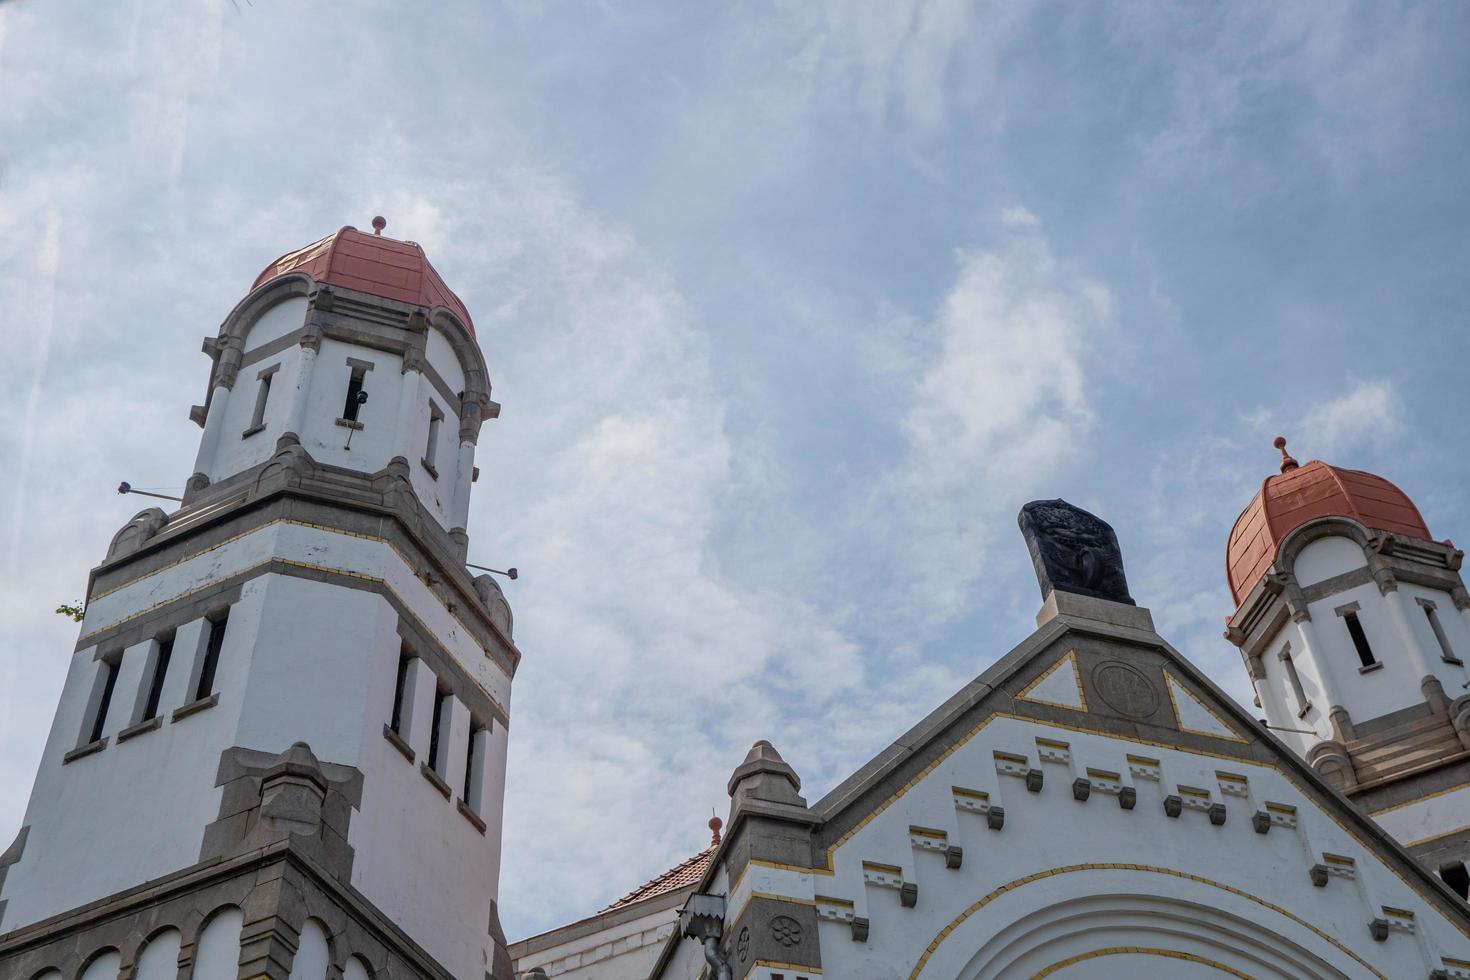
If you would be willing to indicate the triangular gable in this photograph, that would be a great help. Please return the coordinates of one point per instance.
(1059, 685)
(1193, 715)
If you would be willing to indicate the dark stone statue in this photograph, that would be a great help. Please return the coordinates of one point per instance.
(1073, 551)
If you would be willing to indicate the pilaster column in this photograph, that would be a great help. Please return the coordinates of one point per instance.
(214, 422)
(1310, 647)
(296, 413)
(1420, 657)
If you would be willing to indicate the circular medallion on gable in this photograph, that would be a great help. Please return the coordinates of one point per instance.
(1125, 688)
(786, 930)
(742, 945)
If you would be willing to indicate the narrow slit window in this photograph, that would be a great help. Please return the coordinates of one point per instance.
(155, 683)
(262, 395)
(469, 770)
(1294, 680)
(1360, 639)
(435, 730)
(436, 420)
(400, 685)
(211, 656)
(1446, 652)
(354, 393)
(99, 718)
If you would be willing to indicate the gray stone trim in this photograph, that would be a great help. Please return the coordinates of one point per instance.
(435, 780)
(1337, 583)
(84, 750)
(194, 707)
(396, 740)
(1382, 723)
(278, 887)
(252, 431)
(357, 362)
(773, 931)
(11, 856)
(270, 349)
(1350, 607)
(143, 726)
(470, 815)
(293, 486)
(1413, 787)
(1451, 847)
(164, 619)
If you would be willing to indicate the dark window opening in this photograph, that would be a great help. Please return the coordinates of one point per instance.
(354, 395)
(109, 680)
(1360, 639)
(155, 684)
(436, 418)
(211, 656)
(262, 395)
(1453, 873)
(469, 769)
(440, 697)
(397, 721)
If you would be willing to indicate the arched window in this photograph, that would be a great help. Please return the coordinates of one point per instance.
(218, 951)
(312, 953)
(160, 958)
(104, 966)
(356, 969)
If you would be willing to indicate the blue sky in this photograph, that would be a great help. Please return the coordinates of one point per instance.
(790, 306)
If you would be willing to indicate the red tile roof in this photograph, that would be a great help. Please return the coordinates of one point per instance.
(371, 264)
(1301, 494)
(681, 875)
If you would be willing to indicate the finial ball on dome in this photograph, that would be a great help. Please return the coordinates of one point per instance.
(379, 223)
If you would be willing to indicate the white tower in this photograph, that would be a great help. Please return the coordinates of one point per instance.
(1355, 624)
(280, 748)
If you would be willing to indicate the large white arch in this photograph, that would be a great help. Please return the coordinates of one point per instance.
(160, 958)
(1025, 927)
(104, 967)
(313, 955)
(218, 951)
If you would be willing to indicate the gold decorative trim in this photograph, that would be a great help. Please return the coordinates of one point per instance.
(1171, 682)
(1435, 837)
(1172, 954)
(944, 933)
(1070, 658)
(1419, 799)
(1415, 887)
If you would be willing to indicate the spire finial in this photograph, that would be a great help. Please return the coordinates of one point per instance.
(715, 823)
(379, 223)
(1288, 463)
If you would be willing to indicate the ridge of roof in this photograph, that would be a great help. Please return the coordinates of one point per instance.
(684, 874)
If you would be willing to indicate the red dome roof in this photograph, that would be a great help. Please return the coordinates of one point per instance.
(1301, 494)
(372, 264)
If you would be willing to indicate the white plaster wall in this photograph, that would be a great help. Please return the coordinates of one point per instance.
(1394, 686)
(146, 800)
(625, 951)
(441, 355)
(236, 451)
(376, 443)
(1326, 557)
(1054, 849)
(1427, 818)
(276, 322)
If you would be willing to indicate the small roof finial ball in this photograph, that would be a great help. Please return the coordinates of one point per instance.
(715, 823)
(1287, 462)
(379, 223)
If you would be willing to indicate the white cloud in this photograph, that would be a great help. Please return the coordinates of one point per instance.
(996, 411)
(1367, 415)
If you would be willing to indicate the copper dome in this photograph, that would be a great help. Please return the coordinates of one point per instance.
(1303, 493)
(372, 264)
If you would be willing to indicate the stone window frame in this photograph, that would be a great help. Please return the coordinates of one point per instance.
(1446, 652)
(1294, 680)
(1352, 621)
(262, 397)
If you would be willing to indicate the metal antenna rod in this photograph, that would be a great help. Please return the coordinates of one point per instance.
(1278, 728)
(509, 573)
(126, 487)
